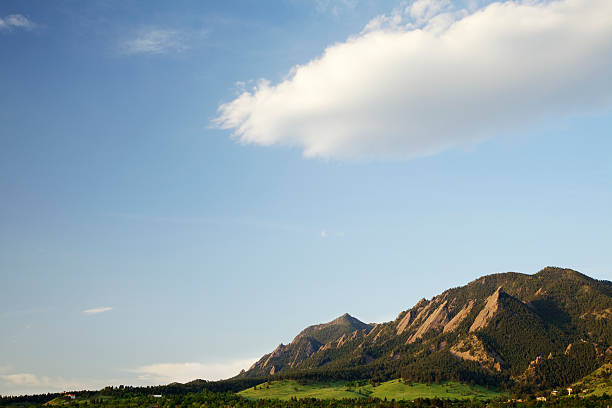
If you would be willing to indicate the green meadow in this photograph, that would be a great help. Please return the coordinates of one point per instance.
(597, 383)
(394, 389)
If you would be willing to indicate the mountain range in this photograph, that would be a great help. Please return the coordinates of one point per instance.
(510, 329)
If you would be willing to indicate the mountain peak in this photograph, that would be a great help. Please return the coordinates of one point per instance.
(345, 318)
(341, 318)
(332, 331)
(338, 331)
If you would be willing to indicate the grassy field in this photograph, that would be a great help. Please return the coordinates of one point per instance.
(56, 401)
(598, 382)
(394, 389)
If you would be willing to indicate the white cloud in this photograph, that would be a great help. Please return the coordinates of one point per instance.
(403, 88)
(26, 379)
(97, 310)
(29, 383)
(165, 373)
(16, 21)
(323, 234)
(423, 10)
(155, 41)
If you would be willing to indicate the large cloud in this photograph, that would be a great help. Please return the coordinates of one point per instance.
(427, 78)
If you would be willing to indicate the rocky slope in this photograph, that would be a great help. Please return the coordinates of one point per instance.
(508, 326)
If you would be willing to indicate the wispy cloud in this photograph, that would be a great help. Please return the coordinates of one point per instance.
(16, 21)
(428, 77)
(154, 41)
(164, 373)
(327, 233)
(97, 310)
(335, 7)
(26, 379)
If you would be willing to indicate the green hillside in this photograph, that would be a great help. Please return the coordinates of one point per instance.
(598, 382)
(57, 401)
(394, 389)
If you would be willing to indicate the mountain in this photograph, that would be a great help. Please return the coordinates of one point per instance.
(310, 340)
(546, 329)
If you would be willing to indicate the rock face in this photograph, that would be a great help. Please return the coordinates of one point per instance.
(437, 320)
(377, 333)
(423, 311)
(459, 317)
(487, 313)
(404, 322)
(407, 318)
(471, 348)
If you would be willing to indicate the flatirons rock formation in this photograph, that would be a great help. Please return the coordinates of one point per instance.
(509, 326)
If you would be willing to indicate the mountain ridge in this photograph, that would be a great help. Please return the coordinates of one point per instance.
(498, 328)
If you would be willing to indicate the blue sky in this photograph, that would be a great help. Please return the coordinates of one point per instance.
(168, 215)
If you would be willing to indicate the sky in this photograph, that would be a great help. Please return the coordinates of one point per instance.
(185, 185)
